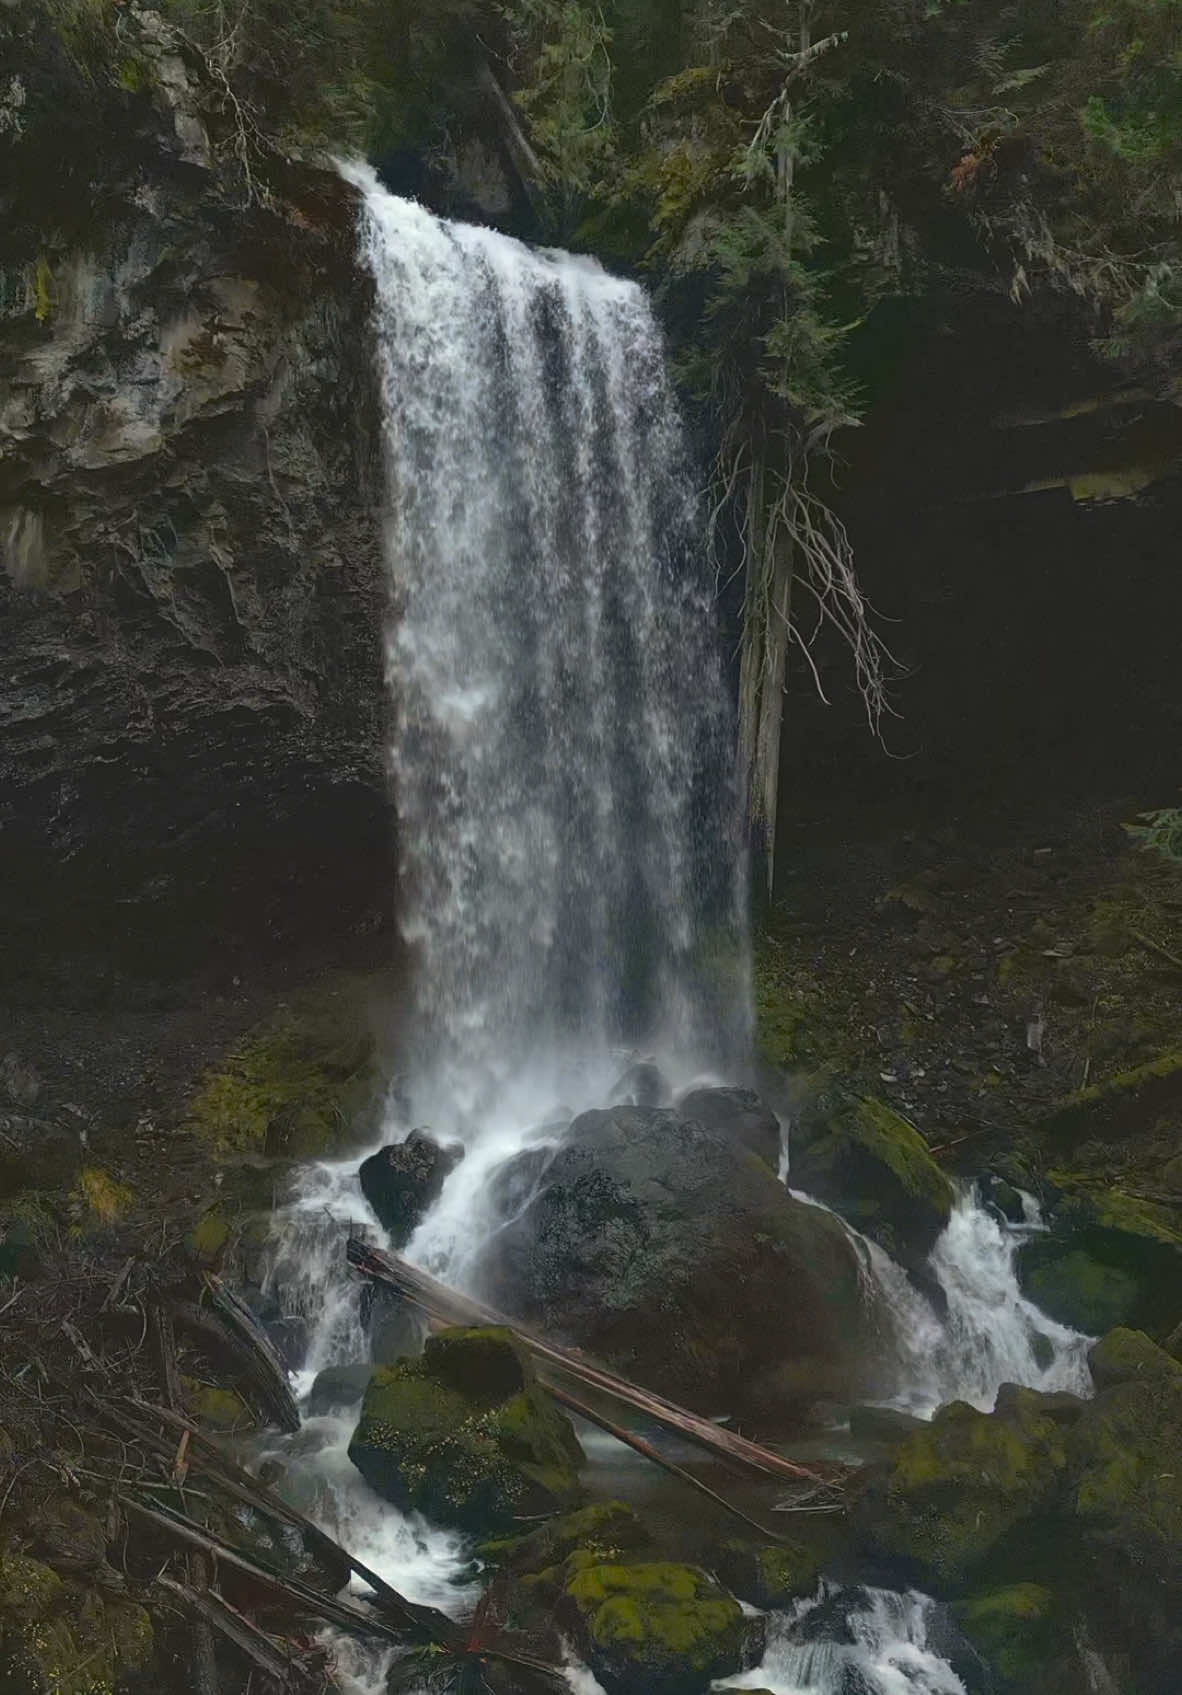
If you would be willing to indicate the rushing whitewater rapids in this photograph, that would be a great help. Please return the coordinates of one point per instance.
(572, 888)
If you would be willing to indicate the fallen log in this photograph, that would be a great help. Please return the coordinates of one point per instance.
(638, 1444)
(204, 1456)
(227, 1325)
(438, 1301)
(288, 1671)
(331, 1609)
(303, 1598)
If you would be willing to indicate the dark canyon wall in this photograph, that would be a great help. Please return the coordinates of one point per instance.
(191, 588)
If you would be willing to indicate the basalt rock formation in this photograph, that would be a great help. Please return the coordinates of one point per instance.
(190, 572)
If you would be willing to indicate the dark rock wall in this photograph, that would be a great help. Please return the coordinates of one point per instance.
(192, 593)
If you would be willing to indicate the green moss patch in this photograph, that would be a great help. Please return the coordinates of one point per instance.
(656, 1629)
(1017, 1630)
(304, 1084)
(466, 1435)
(870, 1163)
(952, 1491)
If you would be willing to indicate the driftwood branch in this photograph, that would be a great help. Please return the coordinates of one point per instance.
(230, 1328)
(438, 1301)
(262, 1651)
(640, 1446)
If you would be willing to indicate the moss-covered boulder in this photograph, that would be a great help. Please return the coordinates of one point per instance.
(1125, 1356)
(604, 1533)
(1018, 1631)
(1110, 1258)
(952, 1491)
(864, 1159)
(1125, 1458)
(656, 1629)
(466, 1435)
(767, 1574)
(64, 1637)
(1075, 1289)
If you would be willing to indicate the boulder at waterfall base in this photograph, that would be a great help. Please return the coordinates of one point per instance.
(466, 1436)
(656, 1629)
(670, 1249)
(740, 1114)
(953, 1490)
(403, 1181)
(1109, 1259)
(872, 1165)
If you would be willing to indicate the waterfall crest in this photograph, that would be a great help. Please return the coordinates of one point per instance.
(562, 750)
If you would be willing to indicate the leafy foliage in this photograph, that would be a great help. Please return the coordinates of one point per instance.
(1160, 832)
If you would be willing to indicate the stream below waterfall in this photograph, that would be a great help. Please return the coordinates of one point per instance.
(572, 887)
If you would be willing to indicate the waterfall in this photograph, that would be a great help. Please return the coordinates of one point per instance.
(873, 1641)
(990, 1333)
(570, 880)
(562, 750)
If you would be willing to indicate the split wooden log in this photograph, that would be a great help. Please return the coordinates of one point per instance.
(438, 1301)
(232, 1330)
(267, 1655)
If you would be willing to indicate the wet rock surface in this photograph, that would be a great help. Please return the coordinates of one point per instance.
(671, 1250)
(866, 1160)
(403, 1181)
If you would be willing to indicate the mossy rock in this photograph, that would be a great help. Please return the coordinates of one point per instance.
(28, 1589)
(216, 1408)
(66, 1638)
(1017, 1630)
(466, 1435)
(656, 1629)
(768, 1574)
(952, 1491)
(1075, 1289)
(608, 1531)
(1110, 1259)
(1126, 1356)
(865, 1160)
(1126, 1479)
(304, 1084)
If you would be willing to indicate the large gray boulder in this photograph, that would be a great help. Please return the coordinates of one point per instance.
(666, 1246)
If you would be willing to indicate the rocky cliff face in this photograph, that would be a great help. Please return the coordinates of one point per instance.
(191, 586)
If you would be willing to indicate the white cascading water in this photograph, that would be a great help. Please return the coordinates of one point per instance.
(879, 1647)
(562, 752)
(571, 881)
(990, 1334)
